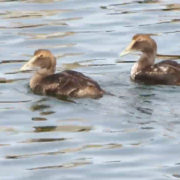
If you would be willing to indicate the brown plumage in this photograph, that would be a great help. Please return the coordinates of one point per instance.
(67, 83)
(144, 70)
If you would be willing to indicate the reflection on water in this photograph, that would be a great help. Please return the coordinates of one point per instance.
(44, 140)
(39, 119)
(62, 128)
(38, 107)
(30, 14)
(66, 165)
(66, 151)
(131, 135)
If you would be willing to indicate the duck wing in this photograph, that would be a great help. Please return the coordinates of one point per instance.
(165, 72)
(67, 83)
(169, 62)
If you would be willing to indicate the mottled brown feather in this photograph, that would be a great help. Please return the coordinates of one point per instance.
(165, 72)
(69, 83)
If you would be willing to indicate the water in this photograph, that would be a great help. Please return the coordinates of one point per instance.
(132, 135)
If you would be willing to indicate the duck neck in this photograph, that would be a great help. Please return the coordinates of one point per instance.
(38, 76)
(147, 59)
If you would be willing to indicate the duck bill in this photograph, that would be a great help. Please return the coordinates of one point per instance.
(29, 65)
(129, 49)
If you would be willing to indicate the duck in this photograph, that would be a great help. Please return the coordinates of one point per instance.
(145, 70)
(67, 83)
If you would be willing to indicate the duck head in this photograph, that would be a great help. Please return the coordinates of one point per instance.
(141, 43)
(42, 60)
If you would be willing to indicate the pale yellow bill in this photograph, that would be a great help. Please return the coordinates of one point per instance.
(28, 65)
(128, 49)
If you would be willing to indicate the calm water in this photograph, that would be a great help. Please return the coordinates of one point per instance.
(132, 135)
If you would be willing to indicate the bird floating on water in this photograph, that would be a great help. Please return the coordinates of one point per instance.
(64, 84)
(144, 70)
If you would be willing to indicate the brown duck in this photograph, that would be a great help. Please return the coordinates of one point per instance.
(67, 83)
(144, 70)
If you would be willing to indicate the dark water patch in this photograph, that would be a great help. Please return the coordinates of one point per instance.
(172, 32)
(23, 26)
(38, 107)
(39, 119)
(43, 140)
(146, 123)
(12, 61)
(70, 128)
(145, 110)
(45, 113)
(122, 61)
(148, 2)
(147, 128)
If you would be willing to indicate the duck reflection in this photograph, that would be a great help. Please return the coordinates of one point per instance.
(141, 100)
(43, 109)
